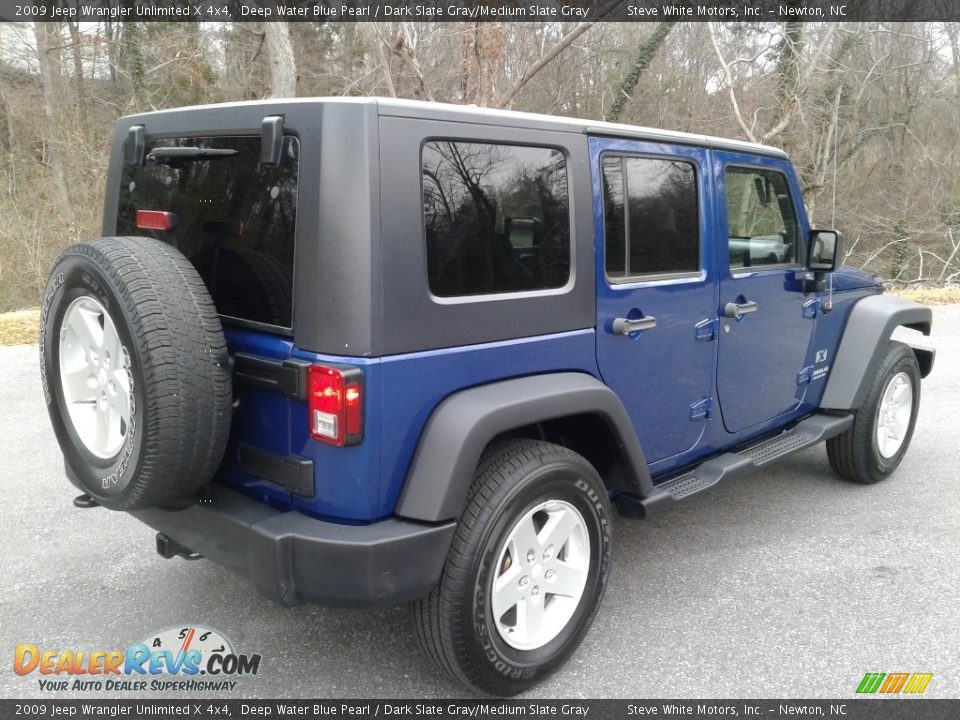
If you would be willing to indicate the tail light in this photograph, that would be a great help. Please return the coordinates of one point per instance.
(335, 404)
(156, 220)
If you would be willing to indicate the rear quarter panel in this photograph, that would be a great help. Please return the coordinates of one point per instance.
(362, 483)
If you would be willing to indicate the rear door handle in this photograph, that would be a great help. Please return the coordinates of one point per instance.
(623, 326)
(738, 310)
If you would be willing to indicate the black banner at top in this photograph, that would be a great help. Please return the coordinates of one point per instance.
(480, 10)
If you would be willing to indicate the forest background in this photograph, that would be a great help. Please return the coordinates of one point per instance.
(869, 112)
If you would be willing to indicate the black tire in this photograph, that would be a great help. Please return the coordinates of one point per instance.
(176, 365)
(455, 624)
(855, 454)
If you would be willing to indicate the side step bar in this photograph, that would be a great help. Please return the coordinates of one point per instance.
(813, 430)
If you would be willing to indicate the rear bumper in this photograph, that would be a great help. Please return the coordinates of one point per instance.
(292, 558)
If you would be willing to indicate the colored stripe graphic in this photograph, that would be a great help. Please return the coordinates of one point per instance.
(894, 683)
(920, 682)
(871, 682)
(865, 683)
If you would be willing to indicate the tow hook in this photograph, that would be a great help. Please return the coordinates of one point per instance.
(169, 549)
(84, 502)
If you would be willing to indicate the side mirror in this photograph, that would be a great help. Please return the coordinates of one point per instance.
(825, 250)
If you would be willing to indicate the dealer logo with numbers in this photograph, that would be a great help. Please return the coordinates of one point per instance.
(204, 640)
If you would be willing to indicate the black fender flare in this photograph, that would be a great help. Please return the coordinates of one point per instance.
(869, 326)
(463, 424)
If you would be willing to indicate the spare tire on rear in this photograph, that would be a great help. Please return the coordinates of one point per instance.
(135, 372)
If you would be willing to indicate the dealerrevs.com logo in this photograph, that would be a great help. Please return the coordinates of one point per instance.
(169, 660)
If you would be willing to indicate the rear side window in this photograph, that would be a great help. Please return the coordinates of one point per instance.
(651, 218)
(234, 218)
(496, 218)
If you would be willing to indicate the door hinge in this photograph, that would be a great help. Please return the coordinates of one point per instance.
(805, 375)
(811, 308)
(700, 410)
(706, 330)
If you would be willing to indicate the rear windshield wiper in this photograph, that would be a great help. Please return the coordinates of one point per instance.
(169, 155)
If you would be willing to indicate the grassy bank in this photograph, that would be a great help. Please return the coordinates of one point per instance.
(929, 295)
(19, 327)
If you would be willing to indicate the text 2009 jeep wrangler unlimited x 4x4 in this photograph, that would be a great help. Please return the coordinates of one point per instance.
(374, 351)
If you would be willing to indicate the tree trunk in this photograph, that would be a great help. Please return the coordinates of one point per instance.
(352, 52)
(6, 122)
(48, 35)
(133, 57)
(645, 55)
(788, 61)
(790, 53)
(78, 83)
(283, 66)
(483, 51)
(110, 36)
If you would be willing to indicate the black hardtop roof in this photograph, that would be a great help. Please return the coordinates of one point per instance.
(484, 116)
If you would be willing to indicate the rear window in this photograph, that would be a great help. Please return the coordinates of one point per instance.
(234, 218)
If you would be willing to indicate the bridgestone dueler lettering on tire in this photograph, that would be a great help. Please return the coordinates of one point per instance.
(135, 372)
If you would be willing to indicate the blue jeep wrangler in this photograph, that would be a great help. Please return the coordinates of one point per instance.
(368, 352)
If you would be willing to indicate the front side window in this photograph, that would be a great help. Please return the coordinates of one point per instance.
(496, 218)
(651, 219)
(761, 223)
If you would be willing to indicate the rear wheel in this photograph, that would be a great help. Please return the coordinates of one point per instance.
(526, 571)
(883, 426)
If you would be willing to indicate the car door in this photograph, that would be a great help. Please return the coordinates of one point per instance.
(656, 297)
(766, 322)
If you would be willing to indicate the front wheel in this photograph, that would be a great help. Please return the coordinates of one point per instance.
(526, 571)
(883, 426)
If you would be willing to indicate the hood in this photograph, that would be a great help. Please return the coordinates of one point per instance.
(850, 278)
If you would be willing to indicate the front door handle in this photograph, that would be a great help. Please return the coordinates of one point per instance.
(623, 326)
(738, 310)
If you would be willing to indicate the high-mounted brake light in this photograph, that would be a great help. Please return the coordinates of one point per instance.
(155, 220)
(335, 404)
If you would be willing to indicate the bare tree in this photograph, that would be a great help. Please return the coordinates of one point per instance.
(134, 66)
(47, 37)
(645, 54)
(383, 61)
(80, 93)
(483, 48)
(283, 64)
(544, 60)
(7, 139)
(405, 48)
(869, 112)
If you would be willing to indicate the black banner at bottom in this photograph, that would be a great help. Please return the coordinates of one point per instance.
(853, 709)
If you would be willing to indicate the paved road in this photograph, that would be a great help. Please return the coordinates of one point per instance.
(789, 583)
